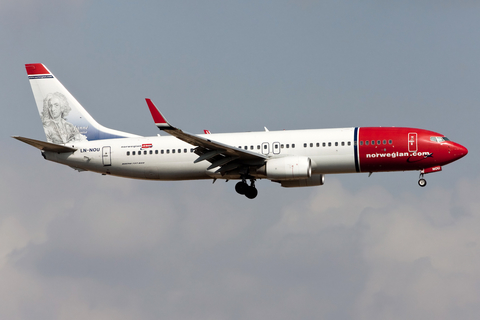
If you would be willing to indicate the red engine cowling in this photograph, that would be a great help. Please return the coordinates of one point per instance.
(288, 168)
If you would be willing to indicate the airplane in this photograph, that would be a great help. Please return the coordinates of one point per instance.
(292, 158)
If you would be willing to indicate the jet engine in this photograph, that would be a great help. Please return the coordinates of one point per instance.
(287, 168)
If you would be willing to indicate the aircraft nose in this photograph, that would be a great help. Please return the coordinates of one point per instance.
(459, 151)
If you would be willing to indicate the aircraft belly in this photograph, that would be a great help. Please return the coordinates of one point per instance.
(180, 171)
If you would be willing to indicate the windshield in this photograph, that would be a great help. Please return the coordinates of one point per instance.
(439, 139)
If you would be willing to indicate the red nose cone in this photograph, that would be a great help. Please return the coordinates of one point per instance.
(459, 151)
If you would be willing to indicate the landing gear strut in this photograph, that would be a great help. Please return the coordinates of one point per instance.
(248, 190)
(421, 181)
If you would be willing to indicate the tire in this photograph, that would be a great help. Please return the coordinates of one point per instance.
(241, 187)
(422, 182)
(251, 193)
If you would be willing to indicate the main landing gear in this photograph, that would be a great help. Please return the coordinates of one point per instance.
(421, 181)
(248, 190)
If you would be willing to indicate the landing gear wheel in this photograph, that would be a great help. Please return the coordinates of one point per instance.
(251, 192)
(241, 187)
(422, 182)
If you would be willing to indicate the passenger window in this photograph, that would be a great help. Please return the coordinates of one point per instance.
(390, 141)
(311, 145)
(323, 144)
(151, 152)
(329, 144)
(133, 153)
(246, 147)
(361, 143)
(288, 146)
(366, 142)
(379, 142)
(318, 144)
(293, 145)
(304, 145)
(168, 151)
(373, 142)
(281, 146)
(161, 151)
(384, 141)
(349, 143)
(184, 150)
(343, 143)
(145, 152)
(156, 151)
(128, 153)
(336, 144)
(251, 147)
(258, 147)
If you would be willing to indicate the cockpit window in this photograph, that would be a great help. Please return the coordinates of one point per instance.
(439, 139)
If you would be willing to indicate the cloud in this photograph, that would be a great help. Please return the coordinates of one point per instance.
(105, 247)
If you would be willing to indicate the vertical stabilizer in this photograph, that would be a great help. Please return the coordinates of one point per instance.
(63, 117)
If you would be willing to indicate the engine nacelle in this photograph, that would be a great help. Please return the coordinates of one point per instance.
(315, 180)
(288, 168)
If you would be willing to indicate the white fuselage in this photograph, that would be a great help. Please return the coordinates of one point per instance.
(168, 158)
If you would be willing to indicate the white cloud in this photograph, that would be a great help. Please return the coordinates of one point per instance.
(105, 247)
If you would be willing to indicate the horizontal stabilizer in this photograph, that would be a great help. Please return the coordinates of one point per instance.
(45, 146)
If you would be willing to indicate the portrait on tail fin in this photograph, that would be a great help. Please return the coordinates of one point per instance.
(54, 118)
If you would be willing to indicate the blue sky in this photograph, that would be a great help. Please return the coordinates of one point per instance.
(79, 245)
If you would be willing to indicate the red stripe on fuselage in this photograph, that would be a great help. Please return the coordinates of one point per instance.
(399, 149)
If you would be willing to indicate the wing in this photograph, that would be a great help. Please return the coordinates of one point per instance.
(221, 155)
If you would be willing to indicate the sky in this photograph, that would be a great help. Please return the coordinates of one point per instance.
(81, 245)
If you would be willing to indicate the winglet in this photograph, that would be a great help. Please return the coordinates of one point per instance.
(158, 118)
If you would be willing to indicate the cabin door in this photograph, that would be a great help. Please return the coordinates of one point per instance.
(106, 156)
(412, 142)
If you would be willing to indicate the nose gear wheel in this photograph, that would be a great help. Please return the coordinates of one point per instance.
(421, 181)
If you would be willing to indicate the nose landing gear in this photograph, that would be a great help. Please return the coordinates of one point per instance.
(248, 190)
(421, 181)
